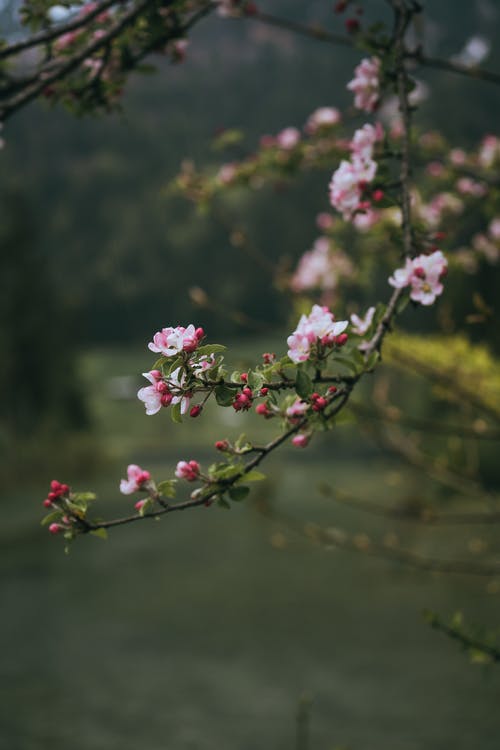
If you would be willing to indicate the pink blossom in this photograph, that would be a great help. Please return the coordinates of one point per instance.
(324, 221)
(366, 219)
(489, 151)
(482, 244)
(431, 213)
(300, 440)
(297, 409)
(361, 325)
(288, 138)
(228, 8)
(226, 173)
(136, 478)
(458, 157)
(318, 326)
(365, 84)
(347, 183)
(152, 395)
(66, 40)
(176, 383)
(468, 186)
(202, 365)
(170, 341)
(189, 470)
(324, 117)
(435, 169)
(423, 274)
(364, 140)
(321, 268)
(494, 228)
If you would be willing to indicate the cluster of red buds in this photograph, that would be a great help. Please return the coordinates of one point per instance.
(57, 490)
(243, 401)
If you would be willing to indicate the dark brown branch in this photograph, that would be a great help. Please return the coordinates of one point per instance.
(320, 34)
(467, 641)
(57, 31)
(412, 512)
(341, 539)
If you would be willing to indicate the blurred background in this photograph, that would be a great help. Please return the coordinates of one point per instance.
(215, 629)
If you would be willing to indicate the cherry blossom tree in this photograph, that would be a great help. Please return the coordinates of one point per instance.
(390, 184)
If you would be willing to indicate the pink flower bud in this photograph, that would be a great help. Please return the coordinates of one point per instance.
(264, 391)
(195, 411)
(341, 339)
(300, 440)
(47, 503)
(140, 504)
(55, 528)
(419, 271)
(352, 25)
(166, 399)
(244, 377)
(55, 485)
(199, 333)
(188, 470)
(222, 445)
(378, 195)
(332, 389)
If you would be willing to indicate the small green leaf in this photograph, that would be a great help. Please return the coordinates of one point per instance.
(238, 493)
(346, 363)
(303, 384)
(255, 380)
(175, 413)
(84, 497)
(159, 363)
(402, 303)
(254, 476)
(224, 395)
(54, 516)
(101, 533)
(372, 360)
(167, 488)
(223, 503)
(147, 507)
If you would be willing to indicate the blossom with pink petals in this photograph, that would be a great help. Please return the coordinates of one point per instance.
(189, 470)
(300, 440)
(423, 274)
(347, 184)
(136, 479)
(364, 140)
(171, 341)
(361, 325)
(322, 118)
(321, 267)
(288, 138)
(317, 327)
(297, 410)
(153, 395)
(366, 85)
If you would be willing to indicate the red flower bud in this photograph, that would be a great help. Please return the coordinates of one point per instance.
(222, 445)
(264, 391)
(47, 503)
(199, 333)
(196, 410)
(55, 528)
(244, 377)
(166, 399)
(340, 6)
(341, 339)
(378, 195)
(332, 389)
(352, 25)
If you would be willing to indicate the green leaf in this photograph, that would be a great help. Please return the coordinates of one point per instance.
(238, 493)
(224, 395)
(303, 383)
(147, 507)
(254, 476)
(372, 360)
(101, 533)
(159, 363)
(167, 488)
(223, 503)
(175, 413)
(402, 303)
(255, 380)
(85, 497)
(211, 349)
(54, 516)
(346, 363)
(236, 377)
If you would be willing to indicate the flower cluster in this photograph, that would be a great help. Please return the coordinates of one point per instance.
(189, 470)
(423, 274)
(164, 391)
(171, 341)
(316, 329)
(321, 119)
(366, 84)
(350, 180)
